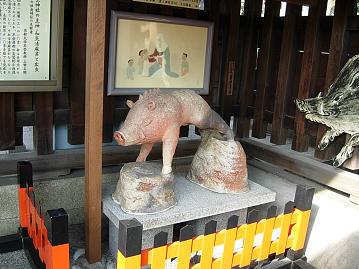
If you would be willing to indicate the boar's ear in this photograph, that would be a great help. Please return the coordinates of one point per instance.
(151, 105)
(129, 103)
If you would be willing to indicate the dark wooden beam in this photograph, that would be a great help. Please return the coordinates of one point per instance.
(308, 72)
(310, 127)
(76, 127)
(214, 86)
(343, 9)
(300, 164)
(252, 13)
(264, 67)
(44, 118)
(95, 56)
(231, 63)
(285, 78)
(300, 2)
(75, 158)
(7, 121)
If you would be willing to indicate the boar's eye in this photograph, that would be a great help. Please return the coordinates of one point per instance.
(147, 122)
(337, 98)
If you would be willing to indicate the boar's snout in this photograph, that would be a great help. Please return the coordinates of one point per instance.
(300, 104)
(308, 105)
(120, 138)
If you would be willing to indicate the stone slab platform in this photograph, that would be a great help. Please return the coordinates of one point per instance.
(194, 202)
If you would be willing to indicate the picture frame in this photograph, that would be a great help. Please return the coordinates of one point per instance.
(150, 51)
(52, 80)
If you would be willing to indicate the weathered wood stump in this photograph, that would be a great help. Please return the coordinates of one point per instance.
(219, 165)
(142, 189)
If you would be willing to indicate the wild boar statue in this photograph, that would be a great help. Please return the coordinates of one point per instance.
(338, 109)
(157, 116)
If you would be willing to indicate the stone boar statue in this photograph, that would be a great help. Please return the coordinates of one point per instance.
(338, 109)
(158, 115)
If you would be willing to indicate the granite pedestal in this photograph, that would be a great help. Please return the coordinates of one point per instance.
(196, 206)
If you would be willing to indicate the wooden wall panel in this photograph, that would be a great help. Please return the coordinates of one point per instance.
(230, 80)
(258, 91)
(288, 57)
(7, 121)
(43, 129)
(308, 72)
(213, 97)
(264, 67)
(249, 63)
(76, 127)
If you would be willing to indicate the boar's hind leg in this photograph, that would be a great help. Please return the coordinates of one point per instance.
(214, 121)
(144, 151)
(346, 151)
(170, 141)
(327, 138)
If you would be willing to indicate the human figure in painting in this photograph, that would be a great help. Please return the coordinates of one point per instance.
(130, 70)
(184, 65)
(161, 58)
(143, 62)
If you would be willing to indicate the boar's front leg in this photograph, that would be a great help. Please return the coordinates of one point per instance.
(327, 138)
(144, 151)
(170, 140)
(346, 151)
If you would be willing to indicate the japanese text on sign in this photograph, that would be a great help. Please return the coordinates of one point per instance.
(25, 39)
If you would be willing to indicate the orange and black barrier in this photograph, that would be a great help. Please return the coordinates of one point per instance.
(44, 237)
(257, 242)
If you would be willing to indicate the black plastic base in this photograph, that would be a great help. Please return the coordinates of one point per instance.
(31, 253)
(288, 264)
(10, 243)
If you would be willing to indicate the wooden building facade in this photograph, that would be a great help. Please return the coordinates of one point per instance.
(276, 59)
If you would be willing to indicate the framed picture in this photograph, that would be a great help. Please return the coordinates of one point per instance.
(31, 45)
(158, 52)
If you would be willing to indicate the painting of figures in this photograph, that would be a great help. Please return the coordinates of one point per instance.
(158, 52)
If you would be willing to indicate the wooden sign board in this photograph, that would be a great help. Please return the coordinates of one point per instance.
(194, 4)
(31, 45)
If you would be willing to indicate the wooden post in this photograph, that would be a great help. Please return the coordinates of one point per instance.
(76, 130)
(252, 11)
(231, 64)
(264, 67)
(216, 59)
(95, 54)
(288, 54)
(44, 119)
(308, 72)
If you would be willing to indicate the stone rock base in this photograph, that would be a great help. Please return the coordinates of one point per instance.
(142, 189)
(219, 165)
